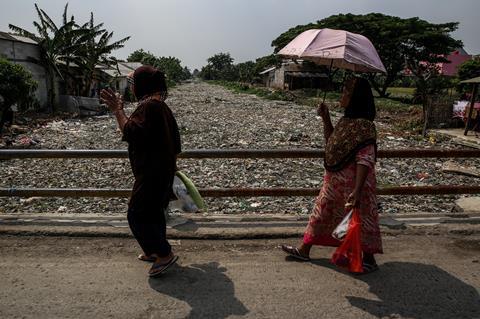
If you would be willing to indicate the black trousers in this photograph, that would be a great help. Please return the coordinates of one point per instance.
(150, 231)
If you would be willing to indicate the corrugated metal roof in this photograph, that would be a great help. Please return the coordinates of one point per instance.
(267, 70)
(132, 65)
(24, 39)
(306, 75)
(123, 70)
(16, 38)
(6, 36)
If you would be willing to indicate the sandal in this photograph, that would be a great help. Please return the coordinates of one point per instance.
(293, 252)
(158, 269)
(146, 258)
(367, 268)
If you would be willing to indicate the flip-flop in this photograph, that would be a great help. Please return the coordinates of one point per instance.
(149, 259)
(367, 269)
(158, 269)
(293, 252)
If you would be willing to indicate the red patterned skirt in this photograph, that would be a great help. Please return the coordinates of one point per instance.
(329, 207)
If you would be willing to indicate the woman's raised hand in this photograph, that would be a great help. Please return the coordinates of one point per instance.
(113, 100)
(322, 110)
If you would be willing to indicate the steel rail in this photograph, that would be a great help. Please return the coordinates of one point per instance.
(236, 153)
(237, 192)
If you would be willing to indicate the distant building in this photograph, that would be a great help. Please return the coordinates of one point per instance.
(118, 74)
(293, 76)
(25, 51)
(456, 58)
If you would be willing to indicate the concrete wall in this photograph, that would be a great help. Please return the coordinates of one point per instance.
(81, 105)
(279, 78)
(21, 53)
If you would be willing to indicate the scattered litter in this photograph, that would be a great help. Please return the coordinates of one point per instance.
(228, 120)
(452, 167)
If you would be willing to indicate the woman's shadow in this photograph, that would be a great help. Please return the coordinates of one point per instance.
(206, 288)
(414, 290)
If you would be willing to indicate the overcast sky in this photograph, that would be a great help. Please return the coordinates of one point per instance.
(194, 30)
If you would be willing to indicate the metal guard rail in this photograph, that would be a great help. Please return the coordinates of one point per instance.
(236, 153)
(235, 192)
(242, 154)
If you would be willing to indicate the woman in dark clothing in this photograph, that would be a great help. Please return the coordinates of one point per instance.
(153, 145)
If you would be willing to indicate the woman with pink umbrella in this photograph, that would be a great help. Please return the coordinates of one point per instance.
(350, 151)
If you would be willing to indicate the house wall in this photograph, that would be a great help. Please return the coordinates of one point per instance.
(121, 84)
(279, 79)
(21, 53)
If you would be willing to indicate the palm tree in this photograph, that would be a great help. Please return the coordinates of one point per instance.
(53, 43)
(60, 47)
(75, 36)
(96, 50)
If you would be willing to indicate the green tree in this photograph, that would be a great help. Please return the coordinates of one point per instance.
(78, 37)
(467, 70)
(219, 67)
(53, 43)
(246, 71)
(187, 74)
(401, 43)
(86, 46)
(16, 87)
(96, 50)
(171, 66)
(139, 56)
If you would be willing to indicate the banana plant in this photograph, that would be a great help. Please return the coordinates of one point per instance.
(96, 51)
(62, 47)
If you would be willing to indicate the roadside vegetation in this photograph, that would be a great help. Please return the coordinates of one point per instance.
(171, 66)
(405, 46)
(69, 48)
(16, 87)
(410, 48)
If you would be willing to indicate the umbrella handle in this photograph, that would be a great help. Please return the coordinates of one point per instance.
(329, 79)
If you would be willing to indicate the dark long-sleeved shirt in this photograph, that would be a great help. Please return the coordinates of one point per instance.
(153, 145)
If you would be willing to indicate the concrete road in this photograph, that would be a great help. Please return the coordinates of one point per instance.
(59, 277)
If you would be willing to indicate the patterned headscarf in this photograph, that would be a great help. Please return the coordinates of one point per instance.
(348, 137)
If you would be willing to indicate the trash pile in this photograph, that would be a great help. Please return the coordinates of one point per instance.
(211, 117)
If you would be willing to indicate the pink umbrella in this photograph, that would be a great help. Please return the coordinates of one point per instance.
(335, 48)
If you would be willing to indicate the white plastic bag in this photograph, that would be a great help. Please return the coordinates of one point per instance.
(184, 201)
(341, 230)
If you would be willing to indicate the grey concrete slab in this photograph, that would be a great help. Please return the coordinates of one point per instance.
(469, 204)
(420, 277)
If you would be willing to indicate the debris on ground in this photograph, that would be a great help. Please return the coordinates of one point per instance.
(212, 117)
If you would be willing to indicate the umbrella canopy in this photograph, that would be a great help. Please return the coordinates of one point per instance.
(474, 80)
(336, 48)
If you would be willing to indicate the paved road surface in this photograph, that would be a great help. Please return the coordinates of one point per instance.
(58, 277)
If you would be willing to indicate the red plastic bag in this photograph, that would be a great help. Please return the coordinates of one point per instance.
(349, 254)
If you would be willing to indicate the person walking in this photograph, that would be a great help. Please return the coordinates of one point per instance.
(349, 180)
(153, 140)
